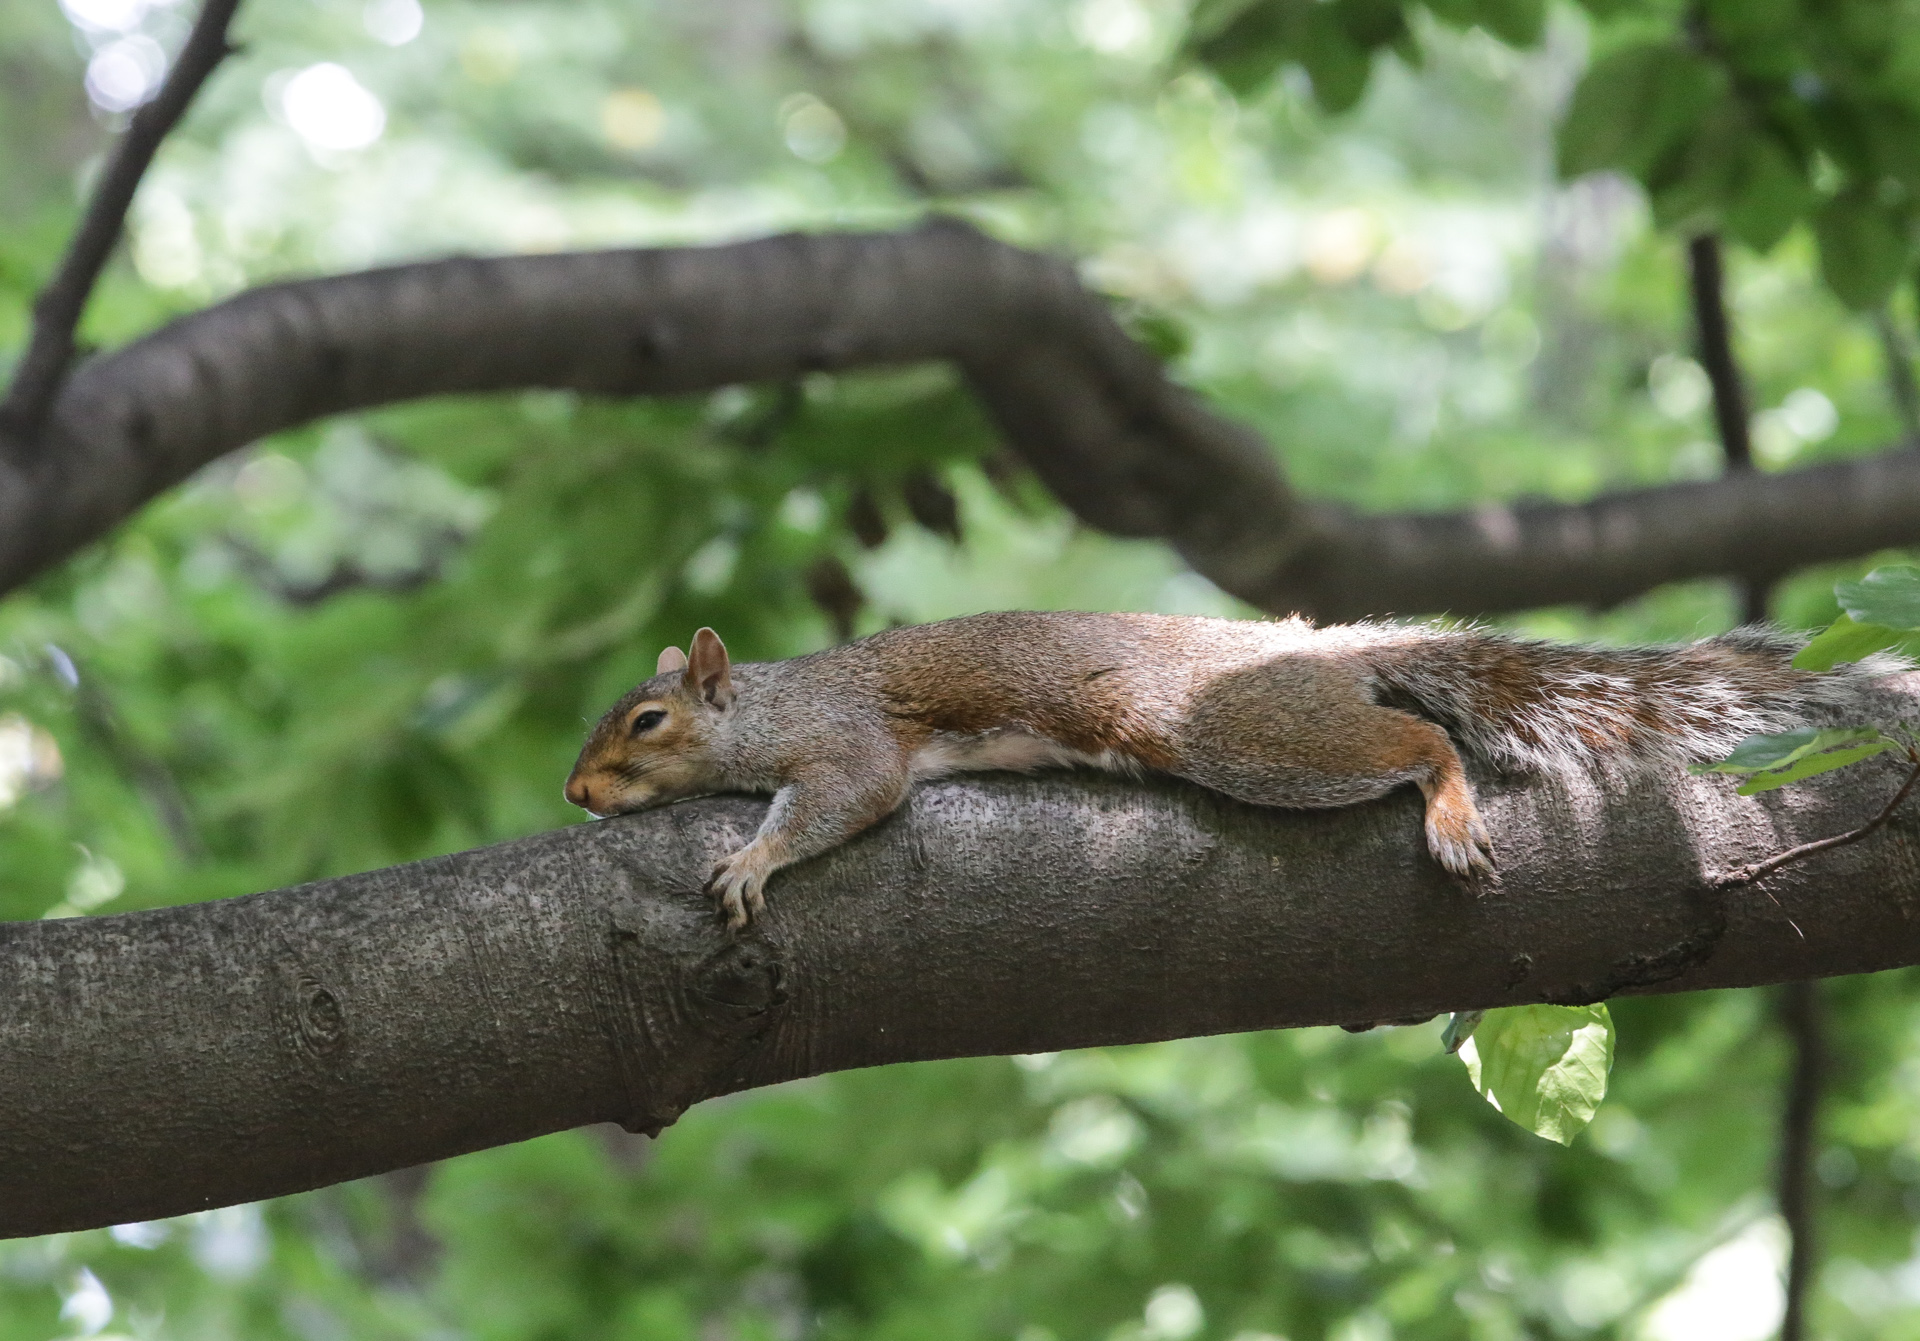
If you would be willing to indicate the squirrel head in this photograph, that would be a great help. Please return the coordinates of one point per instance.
(655, 744)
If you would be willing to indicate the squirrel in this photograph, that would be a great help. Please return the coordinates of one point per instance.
(1274, 712)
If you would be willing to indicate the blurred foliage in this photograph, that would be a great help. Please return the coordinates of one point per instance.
(1736, 115)
(380, 638)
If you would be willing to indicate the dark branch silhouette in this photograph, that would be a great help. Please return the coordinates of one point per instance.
(1801, 1016)
(1799, 1001)
(1090, 410)
(1713, 333)
(1902, 390)
(57, 309)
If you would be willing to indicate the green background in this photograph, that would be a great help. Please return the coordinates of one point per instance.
(1375, 232)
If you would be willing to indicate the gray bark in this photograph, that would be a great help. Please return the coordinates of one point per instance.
(166, 1061)
(1127, 450)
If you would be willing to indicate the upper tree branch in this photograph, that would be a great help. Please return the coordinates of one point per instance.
(1127, 450)
(166, 1061)
(56, 312)
(1714, 332)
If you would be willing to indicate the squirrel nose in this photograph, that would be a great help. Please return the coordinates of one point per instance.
(578, 792)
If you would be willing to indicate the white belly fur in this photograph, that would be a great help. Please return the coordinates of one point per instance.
(1011, 751)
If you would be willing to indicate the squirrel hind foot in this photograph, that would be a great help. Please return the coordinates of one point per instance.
(1458, 839)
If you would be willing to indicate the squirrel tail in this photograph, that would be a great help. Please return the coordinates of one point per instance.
(1555, 707)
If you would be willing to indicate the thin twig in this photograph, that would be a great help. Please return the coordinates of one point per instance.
(148, 773)
(1708, 275)
(1746, 874)
(1713, 331)
(57, 310)
(1901, 388)
(1799, 1129)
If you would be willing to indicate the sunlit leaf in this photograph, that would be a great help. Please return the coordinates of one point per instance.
(1460, 1027)
(1844, 641)
(1544, 1067)
(1777, 751)
(1888, 596)
(1811, 766)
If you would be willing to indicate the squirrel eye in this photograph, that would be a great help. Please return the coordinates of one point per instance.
(647, 720)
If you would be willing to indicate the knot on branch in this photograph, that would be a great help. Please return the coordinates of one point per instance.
(686, 1009)
(312, 1012)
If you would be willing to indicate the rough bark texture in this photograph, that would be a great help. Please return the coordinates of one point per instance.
(161, 1062)
(1091, 411)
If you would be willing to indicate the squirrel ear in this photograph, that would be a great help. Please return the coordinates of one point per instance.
(672, 659)
(708, 671)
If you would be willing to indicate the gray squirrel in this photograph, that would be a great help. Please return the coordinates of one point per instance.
(1277, 713)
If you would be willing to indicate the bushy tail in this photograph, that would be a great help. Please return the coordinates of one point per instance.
(1553, 706)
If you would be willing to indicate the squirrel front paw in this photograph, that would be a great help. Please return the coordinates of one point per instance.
(738, 882)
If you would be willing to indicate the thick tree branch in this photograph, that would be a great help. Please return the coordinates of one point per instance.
(56, 312)
(164, 1061)
(1093, 413)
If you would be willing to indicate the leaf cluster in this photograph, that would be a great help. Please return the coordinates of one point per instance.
(1747, 118)
(1878, 612)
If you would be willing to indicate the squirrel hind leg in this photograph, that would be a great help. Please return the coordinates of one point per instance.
(1457, 836)
(1373, 750)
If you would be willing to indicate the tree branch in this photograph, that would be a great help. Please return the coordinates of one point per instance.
(1713, 333)
(1801, 1015)
(1748, 874)
(1706, 274)
(165, 1061)
(1902, 390)
(56, 312)
(1129, 451)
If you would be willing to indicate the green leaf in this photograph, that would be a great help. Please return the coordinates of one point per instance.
(1812, 766)
(1460, 1027)
(1745, 20)
(1864, 249)
(1777, 751)
(1889, 596)
(1369, 24)
(1767, 194)
(1634, 107)
(1337, 64)
(1845, 640)
(1544, 1067)
(1515, 22)
(1776, 760)
(1894, 132)
(1692, 187)
(1212, 17)
(1245, 44)
(1166, 335)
